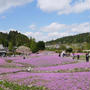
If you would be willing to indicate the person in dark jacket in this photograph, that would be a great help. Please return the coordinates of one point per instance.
(78, 57)
(59, 55)
(87, 57)
(24, 57)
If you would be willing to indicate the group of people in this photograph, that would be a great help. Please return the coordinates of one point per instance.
(63, 54)
(73, 56)
(87, 56)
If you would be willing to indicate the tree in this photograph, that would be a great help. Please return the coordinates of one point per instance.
(5, 43)
(16, 38)
(41, 45)
(69, 50)
(10, 47)
(33, 46)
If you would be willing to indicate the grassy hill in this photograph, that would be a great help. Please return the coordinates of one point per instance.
(79, 38)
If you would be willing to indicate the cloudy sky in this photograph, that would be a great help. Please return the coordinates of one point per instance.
(45, 19)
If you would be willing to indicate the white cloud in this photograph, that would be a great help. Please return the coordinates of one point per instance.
(53, 27)
(77, 8)
(52, 5)
(64, 6)
(74, 28)
(55, 35)
(59, 6)
(32, 27)
(4, 31)
(81, 28)
(39, 36)
(6, 4)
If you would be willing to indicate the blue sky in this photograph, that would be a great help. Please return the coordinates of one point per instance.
(45, 19)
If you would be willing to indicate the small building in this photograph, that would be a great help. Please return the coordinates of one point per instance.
(53, 46)
(2, 50)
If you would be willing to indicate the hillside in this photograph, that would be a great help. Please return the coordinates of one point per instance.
(80, 38)
(13, 37)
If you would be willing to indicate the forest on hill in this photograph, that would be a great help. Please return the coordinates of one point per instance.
(13, 37)
(79, 38)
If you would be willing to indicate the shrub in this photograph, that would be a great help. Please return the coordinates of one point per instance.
(14, 86)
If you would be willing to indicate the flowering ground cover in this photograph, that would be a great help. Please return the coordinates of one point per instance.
(54, 81)
(49, 72)
(44, 61)
(2, 61)
(79, 53)
(64, 67)
(8, 70)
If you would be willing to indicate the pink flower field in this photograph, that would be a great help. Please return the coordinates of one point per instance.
(48, 70)
(2, 61)
(53, 81)
(64, 67)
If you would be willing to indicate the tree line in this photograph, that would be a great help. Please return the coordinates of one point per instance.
(16, 39)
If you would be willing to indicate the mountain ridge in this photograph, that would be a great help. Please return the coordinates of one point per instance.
(79, 38)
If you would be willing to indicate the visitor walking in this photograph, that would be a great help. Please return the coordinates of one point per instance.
(59, 54)
(87, 57)
(78, 57)
(24, 57)
(73, 56)
(62, 53)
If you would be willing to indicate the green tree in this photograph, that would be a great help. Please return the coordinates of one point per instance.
(10, 46)
(69, 50)
(41, 45)
(33, 46)
(18, 39)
